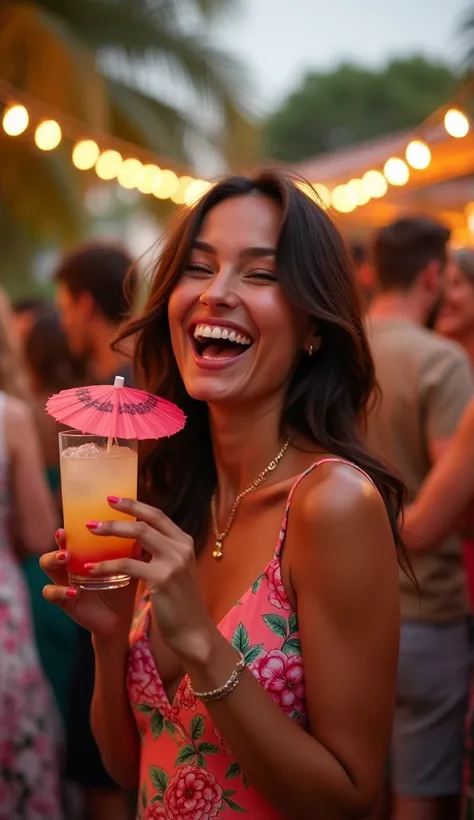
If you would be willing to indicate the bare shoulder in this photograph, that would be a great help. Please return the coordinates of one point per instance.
(338, 494)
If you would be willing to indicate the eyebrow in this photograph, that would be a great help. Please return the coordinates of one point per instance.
(247, 253)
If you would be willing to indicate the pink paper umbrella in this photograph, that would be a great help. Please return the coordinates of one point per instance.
(116, 411)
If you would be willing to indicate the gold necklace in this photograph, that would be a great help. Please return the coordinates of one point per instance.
(219, 536)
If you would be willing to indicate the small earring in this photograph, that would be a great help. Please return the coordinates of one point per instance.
(311, 350)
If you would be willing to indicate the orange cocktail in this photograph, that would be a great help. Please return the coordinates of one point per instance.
(90, 471)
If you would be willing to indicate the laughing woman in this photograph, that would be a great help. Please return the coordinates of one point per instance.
(258, 674)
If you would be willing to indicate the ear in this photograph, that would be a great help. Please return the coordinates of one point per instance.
(430, 276)
(85, 304)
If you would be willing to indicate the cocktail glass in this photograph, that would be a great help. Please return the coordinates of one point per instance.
(92, 469)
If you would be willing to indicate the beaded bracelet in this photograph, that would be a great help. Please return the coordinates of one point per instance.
(227, 688)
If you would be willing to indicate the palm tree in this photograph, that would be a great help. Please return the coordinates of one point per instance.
(101, 62)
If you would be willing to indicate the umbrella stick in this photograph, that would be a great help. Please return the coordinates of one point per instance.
(119, 382)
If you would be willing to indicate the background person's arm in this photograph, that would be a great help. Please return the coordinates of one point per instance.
(447, 387)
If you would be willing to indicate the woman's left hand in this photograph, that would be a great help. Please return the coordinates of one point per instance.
(170, 574)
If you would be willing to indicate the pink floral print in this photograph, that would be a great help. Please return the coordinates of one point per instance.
(282, 676)
(276, 591)
(193, 794)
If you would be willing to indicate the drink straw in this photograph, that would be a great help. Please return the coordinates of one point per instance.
(119, 382)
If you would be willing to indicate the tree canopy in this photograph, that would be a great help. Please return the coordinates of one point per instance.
(352, 103)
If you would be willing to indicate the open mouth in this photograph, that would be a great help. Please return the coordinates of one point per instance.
(220, 342)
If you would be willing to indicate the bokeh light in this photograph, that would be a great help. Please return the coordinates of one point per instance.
(149, 178)
(108, 164)
(48, 135)
(179, 196)
(357, 189)
(195, 191)
(456, 123)
(343, 199)
(167, 185)
(418, 155)
(85, 154)
(396, 171)
(15, 120)
(130, 173)
(374, 184)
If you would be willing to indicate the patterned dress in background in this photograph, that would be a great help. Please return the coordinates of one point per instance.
(187, 771)
(29, 783)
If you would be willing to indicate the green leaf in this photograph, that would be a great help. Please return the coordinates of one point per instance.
(234, 806)
(201, 761)
(186, 755)
(157, 724)
(196, 729)
(228, 793)
(169, 726)
(252, 653)
(208, 748)
(292, 646)
(240, 640)
(144, 796)
(157, 798)
(293, 623)
(143, 707)
(159, 778)
(277, 624)
(257, 582)
(245, 780)
(233, 770)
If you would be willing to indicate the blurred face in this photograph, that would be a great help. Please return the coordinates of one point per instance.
(456, 316)
(75, 315)
(235, 337)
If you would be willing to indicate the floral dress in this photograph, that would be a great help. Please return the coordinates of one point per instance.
(186, 771)
(29, 724)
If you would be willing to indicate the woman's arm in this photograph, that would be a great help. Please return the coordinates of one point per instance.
(345, 575)
(112, 722)
(447, 491)
(35, 519)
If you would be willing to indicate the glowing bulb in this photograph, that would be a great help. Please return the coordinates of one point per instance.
(167, 185)
(48, 135)
(130, 173)
(179, 196)
(108, 164)
(396, 171)
(85, 154)
(418, 155)
(195, 191)
(356, 188)
(15, 120)
(456, 123)
(374, 184)
(149, 178)
(323, 193)
(343, 199)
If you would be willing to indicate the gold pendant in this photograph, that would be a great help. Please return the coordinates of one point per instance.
(217, 554)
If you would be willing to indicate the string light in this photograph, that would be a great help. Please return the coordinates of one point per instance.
(374, 184)
(130, 173)
(418, 155)
(85, 154)
(456, 123)
(195, 191)
(396, 171)
(343, 199)
(15, 120)
(108, 164)
(149, 178)
(48, 135)
(358, 191)
(179, 196)
(167, 185)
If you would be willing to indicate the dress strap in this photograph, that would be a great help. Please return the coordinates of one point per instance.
(298, 479)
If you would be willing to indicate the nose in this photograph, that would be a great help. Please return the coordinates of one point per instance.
(219, 292)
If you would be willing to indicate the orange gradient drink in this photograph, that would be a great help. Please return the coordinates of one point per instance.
(90, 471)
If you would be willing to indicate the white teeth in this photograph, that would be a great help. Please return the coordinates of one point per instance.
(216, 332)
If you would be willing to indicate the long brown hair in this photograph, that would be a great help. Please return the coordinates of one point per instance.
(328, 394)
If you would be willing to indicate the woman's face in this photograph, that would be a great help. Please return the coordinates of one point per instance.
(456, 316)
(235, 336)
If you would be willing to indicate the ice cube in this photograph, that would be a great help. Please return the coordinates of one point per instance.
(88, 450)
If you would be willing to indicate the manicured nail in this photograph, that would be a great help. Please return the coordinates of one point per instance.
(61, 555)
(57, 535)
(113, 499)
(71, 592)
(89, 567)
(92, 525)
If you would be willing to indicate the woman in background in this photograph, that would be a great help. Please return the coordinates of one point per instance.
(29, 782)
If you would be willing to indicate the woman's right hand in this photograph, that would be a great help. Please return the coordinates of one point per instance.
(105, 613)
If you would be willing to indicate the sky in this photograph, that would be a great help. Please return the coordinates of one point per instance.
(279, 40)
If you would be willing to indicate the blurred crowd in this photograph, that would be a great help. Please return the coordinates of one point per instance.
(418, 294)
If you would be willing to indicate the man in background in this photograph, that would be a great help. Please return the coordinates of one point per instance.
(95, 291)
(426, 384)
(365, 275)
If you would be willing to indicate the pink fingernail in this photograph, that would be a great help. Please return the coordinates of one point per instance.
(61, 556)
(92, 525)
(71, 592)
(113, 499)
(88, 567)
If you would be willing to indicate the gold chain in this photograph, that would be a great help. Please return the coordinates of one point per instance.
(219, 536)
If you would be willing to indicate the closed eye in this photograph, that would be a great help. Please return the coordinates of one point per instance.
(199, 269)
(263, 274)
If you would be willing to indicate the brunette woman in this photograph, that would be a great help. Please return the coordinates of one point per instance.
(259, 672)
